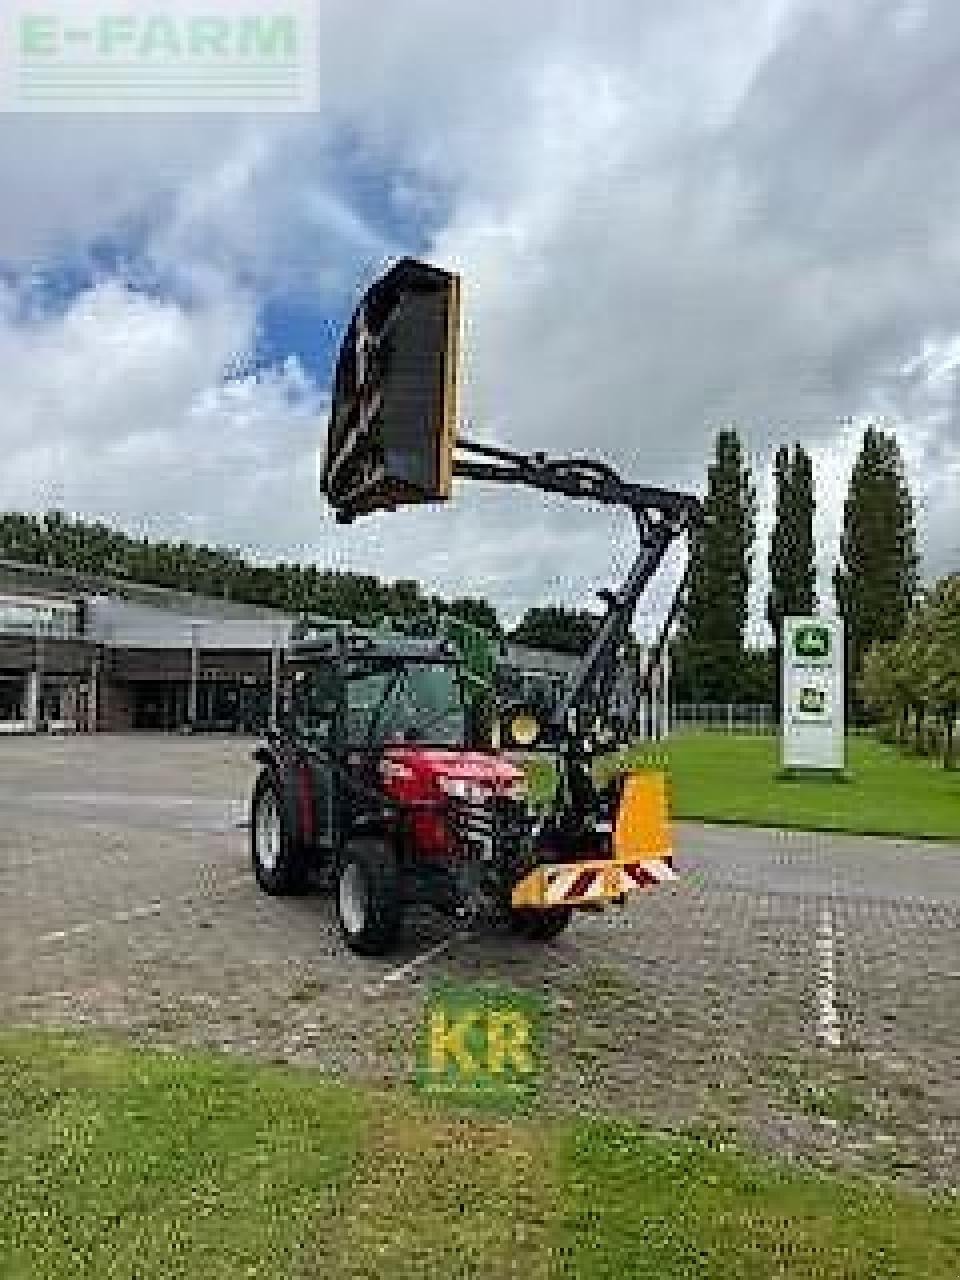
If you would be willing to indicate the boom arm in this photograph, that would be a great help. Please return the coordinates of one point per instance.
(661, 515)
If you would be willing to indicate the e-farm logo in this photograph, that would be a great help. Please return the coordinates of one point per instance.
(812, 641)
(168, 55)
(481, 1044)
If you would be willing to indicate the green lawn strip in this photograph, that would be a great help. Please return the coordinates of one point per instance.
(444, 1193)
(117, 1162)
(718, 777)
(122, 1162)
(639, 1205)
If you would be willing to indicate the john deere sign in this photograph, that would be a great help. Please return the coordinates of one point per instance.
(811, 640)
(813, 702)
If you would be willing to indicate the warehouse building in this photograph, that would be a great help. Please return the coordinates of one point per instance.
(46, 664)
(82, 654)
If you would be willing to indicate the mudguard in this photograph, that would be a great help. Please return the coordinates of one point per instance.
(295, 790)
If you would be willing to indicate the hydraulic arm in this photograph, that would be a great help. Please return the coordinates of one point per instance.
(661, 516)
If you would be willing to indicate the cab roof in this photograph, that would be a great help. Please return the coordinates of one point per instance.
(362, 642)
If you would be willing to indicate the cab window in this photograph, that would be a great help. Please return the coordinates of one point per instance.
(314, 705)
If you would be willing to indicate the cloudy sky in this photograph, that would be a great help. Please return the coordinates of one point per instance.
(668, 218)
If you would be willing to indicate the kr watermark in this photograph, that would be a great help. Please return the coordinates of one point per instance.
(158, 55)
(481, 1044)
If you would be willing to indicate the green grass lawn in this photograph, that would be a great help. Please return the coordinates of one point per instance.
(118, 1162)
(718, 777)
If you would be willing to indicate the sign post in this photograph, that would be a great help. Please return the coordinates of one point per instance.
(814, 711)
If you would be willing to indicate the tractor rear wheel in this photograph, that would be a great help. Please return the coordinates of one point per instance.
(277, 863)
(369, 905)
(540, 926)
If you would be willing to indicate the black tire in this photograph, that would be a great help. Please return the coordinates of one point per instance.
(278, 863)
(368, 902)
(540, 925)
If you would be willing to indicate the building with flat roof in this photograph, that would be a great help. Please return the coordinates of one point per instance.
(81, 653)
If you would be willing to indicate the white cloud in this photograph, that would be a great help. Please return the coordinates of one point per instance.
(667, 219)
(118, 408)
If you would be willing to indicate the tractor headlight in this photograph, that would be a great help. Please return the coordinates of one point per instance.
(472, 793)
(456, 788)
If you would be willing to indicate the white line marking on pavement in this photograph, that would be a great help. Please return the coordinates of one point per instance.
(828, 1031)
(411, 966)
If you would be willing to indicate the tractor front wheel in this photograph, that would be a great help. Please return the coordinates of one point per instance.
(369, 906)
(540, 926)
(277, 863)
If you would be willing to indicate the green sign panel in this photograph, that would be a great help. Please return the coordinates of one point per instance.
(812, 641)
(812, 702)
(481, 1045)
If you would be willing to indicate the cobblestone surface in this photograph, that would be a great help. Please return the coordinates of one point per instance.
(801, 991)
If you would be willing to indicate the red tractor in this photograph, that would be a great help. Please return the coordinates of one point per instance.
(371, 777)
(377, 776)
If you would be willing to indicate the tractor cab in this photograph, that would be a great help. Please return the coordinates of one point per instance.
(391, 713)
(363, 690)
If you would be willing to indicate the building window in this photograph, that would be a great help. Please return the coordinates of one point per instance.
(12, 698)
(19, 616)
(57, 700)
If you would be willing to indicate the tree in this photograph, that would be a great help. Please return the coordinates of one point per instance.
(758, 677)
(553, 627)
(792, 557)
(59, 541)
(876, 579)
(943, 676)
(711, 636)
(918, 675)
(882, 688)
(479, 613)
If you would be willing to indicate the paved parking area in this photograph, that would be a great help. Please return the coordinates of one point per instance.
(802, 991)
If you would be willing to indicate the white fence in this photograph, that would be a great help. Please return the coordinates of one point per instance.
(722, 717)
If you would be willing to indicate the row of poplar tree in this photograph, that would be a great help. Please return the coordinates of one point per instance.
(875, 580)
